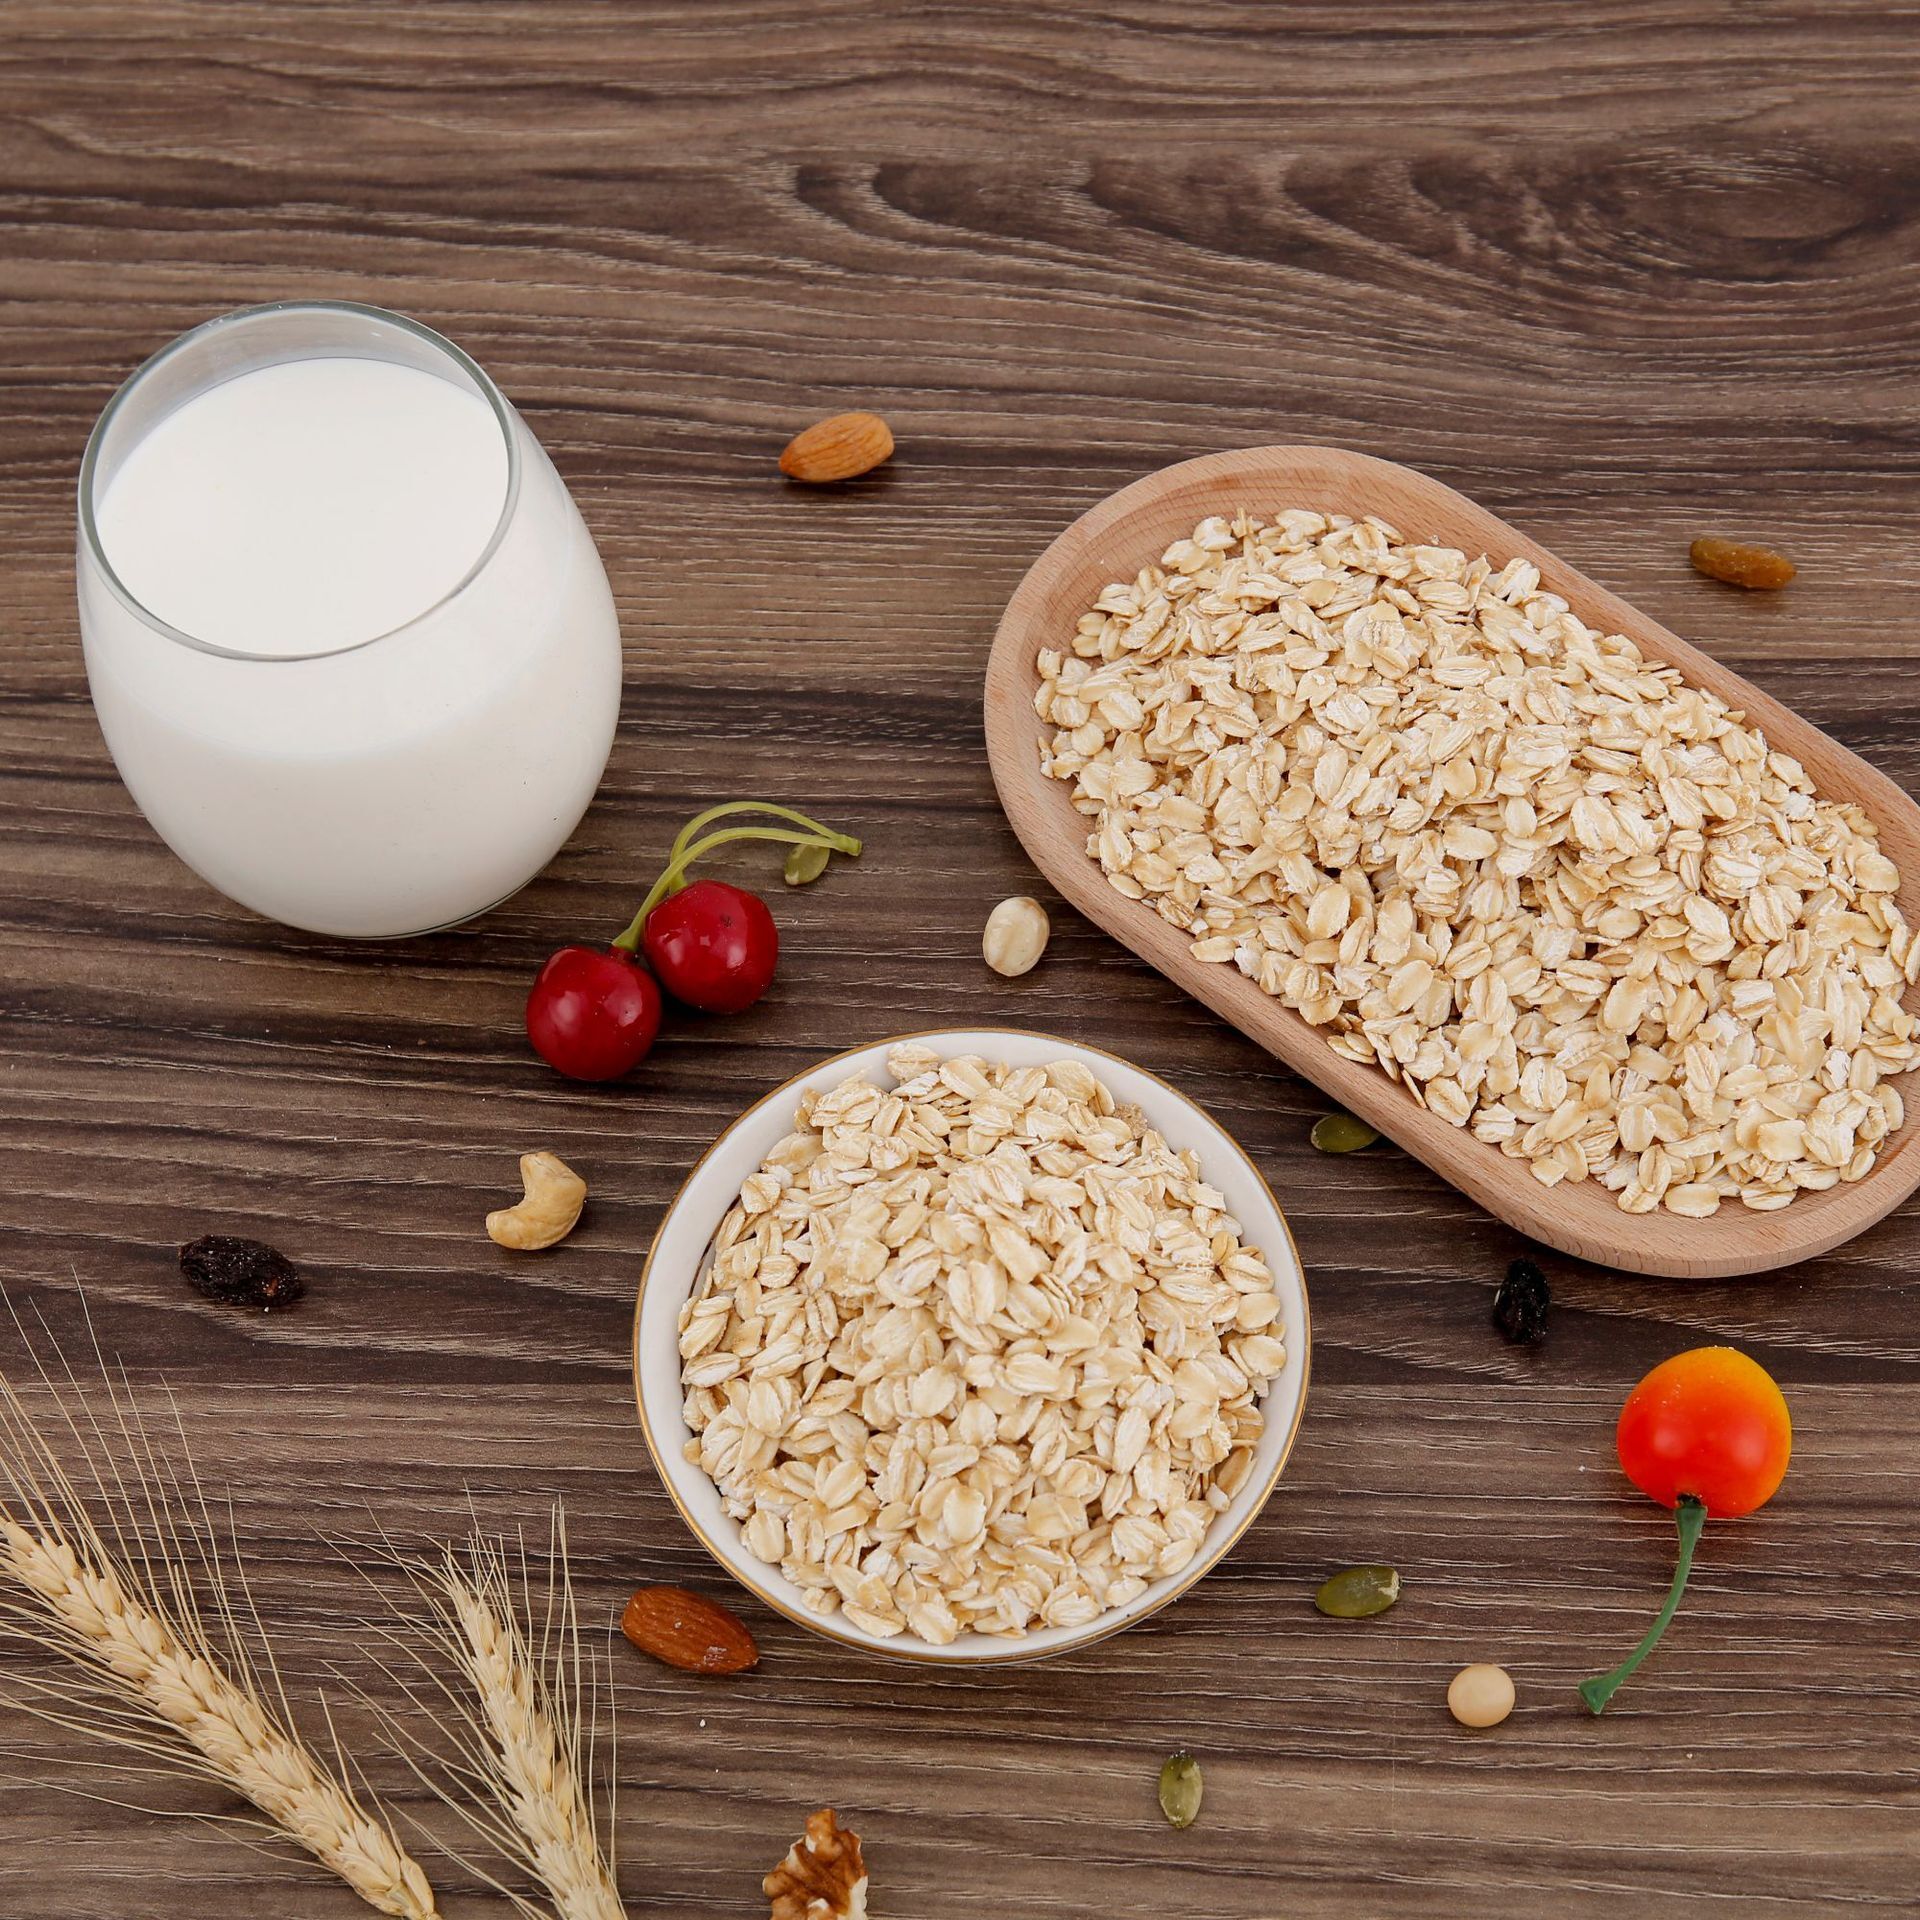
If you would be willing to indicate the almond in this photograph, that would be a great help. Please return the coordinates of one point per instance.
(837, 448)
(688, 1631)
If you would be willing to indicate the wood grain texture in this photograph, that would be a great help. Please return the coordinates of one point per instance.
(1128, 532)
(1623, 275)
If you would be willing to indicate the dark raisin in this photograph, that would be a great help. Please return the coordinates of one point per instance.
(241, 1273)
(1520, 1306)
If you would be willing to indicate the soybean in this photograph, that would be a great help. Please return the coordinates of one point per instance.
(1480, 1695)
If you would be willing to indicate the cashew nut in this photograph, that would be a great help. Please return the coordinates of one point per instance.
(555, 1195)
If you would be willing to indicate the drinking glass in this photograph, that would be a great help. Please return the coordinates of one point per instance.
(386, 785)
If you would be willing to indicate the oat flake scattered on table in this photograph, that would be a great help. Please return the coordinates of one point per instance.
(978, 1352)
(1562, 896)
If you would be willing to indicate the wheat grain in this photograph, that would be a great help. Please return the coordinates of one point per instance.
(149, 1673)
(520, 1780)
(535, 1769)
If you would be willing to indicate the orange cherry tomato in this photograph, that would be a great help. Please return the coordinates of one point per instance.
(1710, 1423)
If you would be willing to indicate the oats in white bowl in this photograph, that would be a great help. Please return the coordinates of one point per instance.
(1562, 896)
(977, 1352)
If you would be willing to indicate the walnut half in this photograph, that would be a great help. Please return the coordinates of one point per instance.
(823, 1876)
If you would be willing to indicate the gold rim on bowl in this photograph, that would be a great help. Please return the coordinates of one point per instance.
(1015, 1653)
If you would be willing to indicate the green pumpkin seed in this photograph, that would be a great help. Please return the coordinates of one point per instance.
(1358, 1593)
(1180, 1790)
(1341, 1133)
(806, 864)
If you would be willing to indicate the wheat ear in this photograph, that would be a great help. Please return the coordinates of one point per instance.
(150, 1675)
(525, 1761)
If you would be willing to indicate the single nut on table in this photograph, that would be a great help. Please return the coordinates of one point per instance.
(1480, 1695)
(1016, 936)
(688, 1631)
(823, 1877)
(555, 1194)
(841, 447)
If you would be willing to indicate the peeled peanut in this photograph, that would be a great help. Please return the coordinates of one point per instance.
(554, 1196)
(1016, 936)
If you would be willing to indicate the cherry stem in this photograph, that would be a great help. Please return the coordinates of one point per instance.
(685, 855)
(841, 843)
(1689, 1516)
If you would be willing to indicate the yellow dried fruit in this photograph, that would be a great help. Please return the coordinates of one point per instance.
(1740, 564)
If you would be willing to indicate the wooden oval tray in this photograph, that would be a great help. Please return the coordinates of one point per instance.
(1131, 529)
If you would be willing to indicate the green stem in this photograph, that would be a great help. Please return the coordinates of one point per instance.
(841, 843)
(685, 856)
(1689, 1516)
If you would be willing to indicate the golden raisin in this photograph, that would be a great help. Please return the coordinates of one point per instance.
(1740, 564)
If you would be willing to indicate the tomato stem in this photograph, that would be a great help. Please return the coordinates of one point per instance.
(686, 851)
(1689, 1516)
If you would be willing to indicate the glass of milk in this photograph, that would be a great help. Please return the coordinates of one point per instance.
(350, 642)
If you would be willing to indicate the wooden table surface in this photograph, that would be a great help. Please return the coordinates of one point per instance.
(1625, 273)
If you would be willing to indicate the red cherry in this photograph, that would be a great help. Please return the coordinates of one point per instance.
(592, 1014)
(713, 946)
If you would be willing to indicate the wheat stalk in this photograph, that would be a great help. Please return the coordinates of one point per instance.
(525, 1742)
(533, 1741)
(149, 1672)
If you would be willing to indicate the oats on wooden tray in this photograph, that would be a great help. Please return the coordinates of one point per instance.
(1565, 898)
(978, 1352)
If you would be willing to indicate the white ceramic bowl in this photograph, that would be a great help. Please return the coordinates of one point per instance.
(679, 1250)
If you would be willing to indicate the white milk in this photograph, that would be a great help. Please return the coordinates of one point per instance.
(307, 506)
(416, 723)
